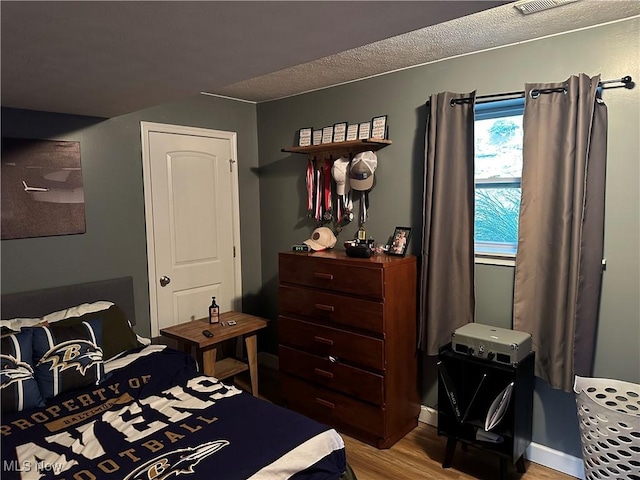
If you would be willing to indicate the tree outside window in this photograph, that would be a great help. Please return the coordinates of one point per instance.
(498, 170)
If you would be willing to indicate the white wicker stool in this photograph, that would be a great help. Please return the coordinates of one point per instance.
(609, 416)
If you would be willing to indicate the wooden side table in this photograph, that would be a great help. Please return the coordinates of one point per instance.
(190, 335)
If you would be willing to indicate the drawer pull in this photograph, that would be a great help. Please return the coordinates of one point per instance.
(323, 373)
(324, 276)
(326, 308)
(325, 403)
(326, 341)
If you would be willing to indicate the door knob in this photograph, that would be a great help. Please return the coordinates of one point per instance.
(164, 281)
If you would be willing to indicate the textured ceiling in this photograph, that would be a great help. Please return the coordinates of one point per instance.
(496, 27)
(109, 58)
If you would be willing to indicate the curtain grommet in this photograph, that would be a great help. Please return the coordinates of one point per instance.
(535, 93)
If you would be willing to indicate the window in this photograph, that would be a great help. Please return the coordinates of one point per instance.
(498, 171)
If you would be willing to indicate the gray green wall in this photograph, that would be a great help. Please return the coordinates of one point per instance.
(115, 241)
(396, 199)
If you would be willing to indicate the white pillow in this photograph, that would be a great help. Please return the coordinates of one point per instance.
(124, 359)
(77, 311)
(143, 340)
(16, 324)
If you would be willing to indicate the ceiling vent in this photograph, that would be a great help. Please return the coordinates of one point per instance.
(527, 7)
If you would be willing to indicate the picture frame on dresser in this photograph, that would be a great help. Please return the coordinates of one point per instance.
(399, 241)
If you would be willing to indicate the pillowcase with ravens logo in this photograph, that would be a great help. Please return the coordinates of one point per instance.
(18, 386)
(67, 357)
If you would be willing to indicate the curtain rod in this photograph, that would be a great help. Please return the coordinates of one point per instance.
(626, 81)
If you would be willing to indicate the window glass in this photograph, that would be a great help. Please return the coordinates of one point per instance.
(498, 171)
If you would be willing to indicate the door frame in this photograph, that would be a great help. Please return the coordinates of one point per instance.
(145, 129)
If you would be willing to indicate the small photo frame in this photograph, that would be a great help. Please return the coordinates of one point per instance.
(399, 241)
(379, 127)
(327, 134)
(339, 132)
(364, 130)
(304, 137)
(317, 137)
(352, 132)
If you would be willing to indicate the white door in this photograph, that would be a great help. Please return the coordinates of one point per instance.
(192, 213)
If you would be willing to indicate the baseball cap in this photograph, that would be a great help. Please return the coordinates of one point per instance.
(362, 168)
(340, 172)
(321, 239)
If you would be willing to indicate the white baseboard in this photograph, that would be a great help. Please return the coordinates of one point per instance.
(537, 453)
(428, 415)
(556, 460)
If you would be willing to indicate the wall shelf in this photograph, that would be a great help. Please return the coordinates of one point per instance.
(339, 149)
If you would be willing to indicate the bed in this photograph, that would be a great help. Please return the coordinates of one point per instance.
(84, 398)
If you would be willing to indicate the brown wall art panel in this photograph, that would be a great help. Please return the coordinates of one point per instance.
(42, 191)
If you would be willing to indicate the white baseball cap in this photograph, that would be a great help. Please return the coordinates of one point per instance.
(321, 239)
(362, 168)
(340, 172)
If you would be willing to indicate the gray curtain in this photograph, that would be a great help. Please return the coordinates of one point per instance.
(560, 242)
(447, 299)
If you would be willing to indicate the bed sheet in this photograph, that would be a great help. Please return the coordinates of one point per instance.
(155, 417)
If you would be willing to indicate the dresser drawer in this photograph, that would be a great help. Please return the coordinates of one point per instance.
(360, 383)
(364, 314)
(331, 275)
(324, 341)
(330, 407)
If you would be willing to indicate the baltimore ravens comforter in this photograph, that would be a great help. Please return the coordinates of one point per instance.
(154, 417)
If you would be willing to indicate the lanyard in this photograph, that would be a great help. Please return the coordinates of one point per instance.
(328, 215)
(310, 179)
(345, 205)
(348, 207)
(318, 196)
(364, 205)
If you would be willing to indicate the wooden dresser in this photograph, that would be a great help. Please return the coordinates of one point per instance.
(347, 334)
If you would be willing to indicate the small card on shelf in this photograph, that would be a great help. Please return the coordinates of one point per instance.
(304, 137)
(364, 129)
(339, 132)
(327, 134)
(379, 127)
(352, 132)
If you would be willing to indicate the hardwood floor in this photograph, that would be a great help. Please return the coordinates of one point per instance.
(417, 456)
